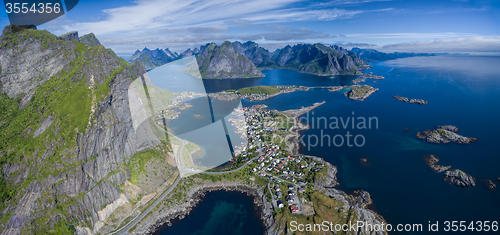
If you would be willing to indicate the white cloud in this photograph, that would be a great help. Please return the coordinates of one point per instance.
(477, 44)
(410, 35)
(179, 24)
(157, 14)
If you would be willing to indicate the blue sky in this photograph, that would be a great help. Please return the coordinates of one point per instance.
(418, 26)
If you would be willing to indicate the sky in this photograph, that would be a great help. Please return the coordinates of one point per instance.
(437, 26)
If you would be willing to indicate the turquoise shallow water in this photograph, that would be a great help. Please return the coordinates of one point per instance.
(461, 91)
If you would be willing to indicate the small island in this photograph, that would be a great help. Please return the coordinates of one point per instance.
(198, 116)
(445, 134)
(364, 161)
(490, 184)
(411, 101)
(431, 160)
(360, 92)
(459, 178)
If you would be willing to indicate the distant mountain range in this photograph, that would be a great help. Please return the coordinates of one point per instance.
(371, 55)
(153, 58)
(241, 60)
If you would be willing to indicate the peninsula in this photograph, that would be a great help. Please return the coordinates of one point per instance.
(286, 186)
(256, 92)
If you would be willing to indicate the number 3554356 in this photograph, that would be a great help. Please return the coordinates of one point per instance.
(33, 8)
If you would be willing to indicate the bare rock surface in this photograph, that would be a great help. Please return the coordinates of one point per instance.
(459, 178)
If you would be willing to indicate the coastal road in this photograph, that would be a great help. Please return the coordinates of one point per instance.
(182, 171)
(133, 222)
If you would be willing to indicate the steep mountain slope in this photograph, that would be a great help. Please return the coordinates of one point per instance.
(90, 40)
(374, 55)
(152, 58)
(225, 62)
(189, 52)
(73, 35)
(170, 54)
(66, 132)
(258, 55)
(319, 59)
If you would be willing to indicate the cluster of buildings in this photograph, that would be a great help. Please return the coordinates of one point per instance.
(291, 198)
(270, 160)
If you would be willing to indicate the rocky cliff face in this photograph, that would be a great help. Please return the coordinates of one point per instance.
(170, 54)
(225, 62)
(153, 58)
(65, 133)
(69, 36)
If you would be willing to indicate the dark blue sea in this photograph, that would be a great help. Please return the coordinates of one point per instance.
(463, 91)
(220, 212)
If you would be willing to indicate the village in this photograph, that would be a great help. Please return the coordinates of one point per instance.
(288, 175)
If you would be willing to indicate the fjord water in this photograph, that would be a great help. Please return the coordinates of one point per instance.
(461, 90)
(219, 213)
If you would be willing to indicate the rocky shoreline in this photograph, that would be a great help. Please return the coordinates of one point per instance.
(292, 140)
(232, 95)
(355, 92)
(444, 134)
(431, 161)
(360, 93)
(358, 202)
(459, 178)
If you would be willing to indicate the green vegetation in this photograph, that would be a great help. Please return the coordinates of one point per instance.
(359, 92)
(258, 90)
(68, 100)
(6, 192)
(137, 163)
(61, 228)
(45, 37)
(325, 208)
(80, 48)
(443, 132)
